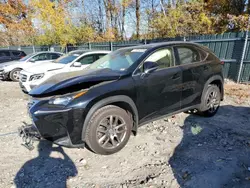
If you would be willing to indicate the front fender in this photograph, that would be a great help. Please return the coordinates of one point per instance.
(110, 100)
(11, 67)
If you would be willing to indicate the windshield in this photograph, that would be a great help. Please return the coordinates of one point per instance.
(119, 60)
(26, 57)
(66, 58)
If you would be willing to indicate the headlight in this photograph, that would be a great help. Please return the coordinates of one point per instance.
(64, 100)
(36, 77)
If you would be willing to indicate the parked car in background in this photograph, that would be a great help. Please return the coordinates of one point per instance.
(126, 88)
(11, 70)
(11, 55)
(71, 62)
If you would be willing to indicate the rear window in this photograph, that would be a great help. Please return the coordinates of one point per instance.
(4, 53)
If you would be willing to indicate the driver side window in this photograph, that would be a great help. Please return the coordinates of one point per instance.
(162, 57)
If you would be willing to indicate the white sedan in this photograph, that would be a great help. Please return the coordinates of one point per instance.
(73, 61)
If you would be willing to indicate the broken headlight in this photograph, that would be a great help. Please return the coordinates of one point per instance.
(65, 100)
(36, 76)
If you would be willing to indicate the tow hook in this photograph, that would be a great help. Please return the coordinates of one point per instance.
(29, 134)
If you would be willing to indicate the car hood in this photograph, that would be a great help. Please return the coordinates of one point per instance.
(10, 63)
(72, 81)
(44, 67)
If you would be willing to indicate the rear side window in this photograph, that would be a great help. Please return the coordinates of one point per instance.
(53, 56)
(87, 60)
(188, 55)
(16, 53)
(4, 53)
(40, 57)
(98, 56)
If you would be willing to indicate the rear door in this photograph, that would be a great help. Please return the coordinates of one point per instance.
(195, 70)
(158, 92)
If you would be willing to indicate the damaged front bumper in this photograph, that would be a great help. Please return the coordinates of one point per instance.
(62, 126)
(29, 134)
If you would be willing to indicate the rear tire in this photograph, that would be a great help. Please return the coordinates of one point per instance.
(210, 101)
(15, 75)
(108, 130)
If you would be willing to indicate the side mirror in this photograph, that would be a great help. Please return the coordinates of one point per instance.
(149, 66)
(77, 64)
(32, 60)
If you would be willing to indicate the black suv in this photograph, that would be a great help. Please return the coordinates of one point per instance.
(10, 55)
(124, 89)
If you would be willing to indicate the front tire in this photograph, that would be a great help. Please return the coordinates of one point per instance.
(15, 75)
(108, 130)
(210, 101)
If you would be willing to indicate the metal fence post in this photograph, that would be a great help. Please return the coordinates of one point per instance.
(244, 52)
(34, 50)
(89, 46)
(66, 49)
(110, 46)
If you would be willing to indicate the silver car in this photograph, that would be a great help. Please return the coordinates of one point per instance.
(11, 70)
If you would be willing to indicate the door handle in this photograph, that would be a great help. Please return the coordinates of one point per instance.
(176, 76)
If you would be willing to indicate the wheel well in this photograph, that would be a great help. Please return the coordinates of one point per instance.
(129, 109)
(220, 86)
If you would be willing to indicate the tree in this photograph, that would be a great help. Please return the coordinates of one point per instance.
(138, 18)
(235, 7)
(57, 28)
(16, 26)
(185, 19)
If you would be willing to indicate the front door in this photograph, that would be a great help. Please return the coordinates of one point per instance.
(158, 92)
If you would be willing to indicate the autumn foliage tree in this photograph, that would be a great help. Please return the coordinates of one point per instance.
(56, 24)
(183, 20)
(15, 24)
(48, 22)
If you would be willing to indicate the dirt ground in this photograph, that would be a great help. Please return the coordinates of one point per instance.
(180, 151)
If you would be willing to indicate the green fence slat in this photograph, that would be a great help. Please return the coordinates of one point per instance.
(228, 46)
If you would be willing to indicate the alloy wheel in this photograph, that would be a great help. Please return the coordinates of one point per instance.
(213, 101)
(16, 75)
(111, 131)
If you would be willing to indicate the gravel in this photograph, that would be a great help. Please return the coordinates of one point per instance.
(179, 151)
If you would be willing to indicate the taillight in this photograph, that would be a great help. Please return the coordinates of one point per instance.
(222, 62)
